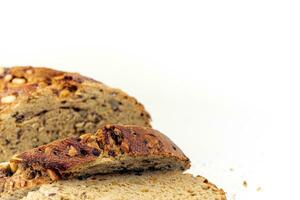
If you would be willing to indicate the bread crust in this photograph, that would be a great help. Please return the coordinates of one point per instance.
(111, 141)
(37, 78)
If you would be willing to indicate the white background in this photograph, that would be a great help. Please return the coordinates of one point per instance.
(221, 78)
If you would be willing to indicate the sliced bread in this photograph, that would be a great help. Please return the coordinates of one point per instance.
(39, 105)
(169, 185)
(114, 148)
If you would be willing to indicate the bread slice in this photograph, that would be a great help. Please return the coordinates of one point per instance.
(169, 185)
(114, 148)
(39, 105)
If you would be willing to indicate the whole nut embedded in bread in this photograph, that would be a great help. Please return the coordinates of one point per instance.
(72, 151)
(13, 167)
(79, 125)
(18, 80)
(8, 99)
(85, 136)
(15, 158)
(4, 165)
(52, 175)
(8, 77)
(93, 144)
(65, 93)
(47, 150)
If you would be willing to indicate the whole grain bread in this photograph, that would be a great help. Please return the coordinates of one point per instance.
(39, 105)
(114, 148)
(169, 185)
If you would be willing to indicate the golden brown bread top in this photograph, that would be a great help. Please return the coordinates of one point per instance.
(23, 80)
(110, 141)
(20, 82)
(15, 77)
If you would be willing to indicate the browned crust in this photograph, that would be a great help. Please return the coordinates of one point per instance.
(59, 158)
(37, 75)
(39, 79)
(110, 141)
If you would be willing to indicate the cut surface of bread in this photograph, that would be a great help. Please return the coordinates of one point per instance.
(39, 105)
(171, 185)
(114, 148)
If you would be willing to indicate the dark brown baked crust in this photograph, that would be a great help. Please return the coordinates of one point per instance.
(111, 141)
(66, 158)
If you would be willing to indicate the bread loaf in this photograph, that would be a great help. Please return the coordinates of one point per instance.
(39, 105)
(114, 148)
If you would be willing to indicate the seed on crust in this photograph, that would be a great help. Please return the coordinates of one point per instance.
(8, 99)
(23, 183)
(93, 144)
(72, 151)
(85, 136)
(79, 125)
(13, 167)
(15, 158)
(47, 150)
(53, 176)
(18, 80)
(4, 165)
(65, 93)
(8, 77)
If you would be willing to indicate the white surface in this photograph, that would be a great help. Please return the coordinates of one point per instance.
(221, 78)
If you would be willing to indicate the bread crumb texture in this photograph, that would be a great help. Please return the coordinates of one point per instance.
(155, 185)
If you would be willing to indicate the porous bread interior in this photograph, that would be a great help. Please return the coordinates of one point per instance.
(103, 165)
(42, 117)
(106, 165)
(171, 185)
